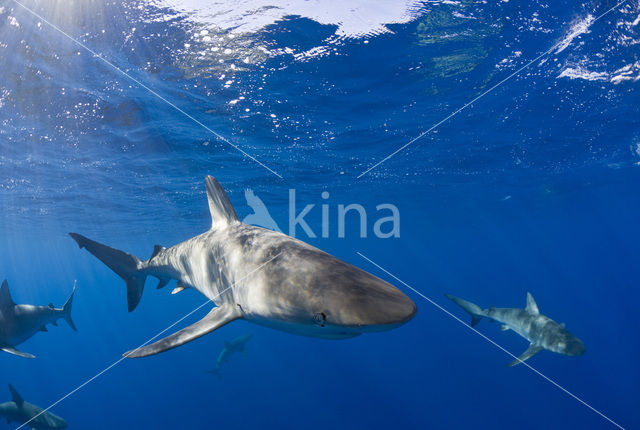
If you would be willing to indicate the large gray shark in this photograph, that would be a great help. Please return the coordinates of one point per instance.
(19, 322)
(261, 276)
(20, 411)
(230, 347)
(541, 331)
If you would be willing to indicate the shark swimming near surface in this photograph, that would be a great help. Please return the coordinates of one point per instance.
(261, 276)
(20, 411)
(19, 322)
(230, 347)
(541, 331)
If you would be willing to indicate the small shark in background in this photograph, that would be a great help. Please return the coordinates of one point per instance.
(20, 411)
(230, 347)
(541, 331)
(19, 322)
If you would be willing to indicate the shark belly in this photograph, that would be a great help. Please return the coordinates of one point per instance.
(199, 263)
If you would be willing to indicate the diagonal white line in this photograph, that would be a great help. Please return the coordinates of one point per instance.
(492, 342)
(456, 112)
(109, 63)
(114, 364)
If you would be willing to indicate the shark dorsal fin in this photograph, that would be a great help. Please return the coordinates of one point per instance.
(532, 307)
(5, 296)
(220, 206)
(16, 397)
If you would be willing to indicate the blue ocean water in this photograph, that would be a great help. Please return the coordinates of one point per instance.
(533, 188)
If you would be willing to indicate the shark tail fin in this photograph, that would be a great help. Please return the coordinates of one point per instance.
(66, 310)
(472, 309)
(216, 372)
(127, 266)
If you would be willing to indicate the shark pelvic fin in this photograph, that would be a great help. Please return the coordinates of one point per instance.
(5, 296)
(12, 350)
(162, 283)
(532, 306)
(220, 206)
(530, 352)
(180, 287)
(125, 265)
(157, 249)
(16, 397)
(215, 319)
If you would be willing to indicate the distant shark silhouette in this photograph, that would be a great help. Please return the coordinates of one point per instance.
(260, 216)
(541, 331)
(20, 411)
(19, 322)
(230, 347)
(261, 276)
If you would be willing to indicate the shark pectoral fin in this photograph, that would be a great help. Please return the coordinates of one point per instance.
(530, 352)
(12, 350)
(213, 320)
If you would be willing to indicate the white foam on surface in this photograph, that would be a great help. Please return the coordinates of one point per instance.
(578, 28)
(353, 19)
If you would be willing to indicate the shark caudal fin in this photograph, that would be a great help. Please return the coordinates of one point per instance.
(216, 372)
(125, 265)
(66, 309)
(472, 309)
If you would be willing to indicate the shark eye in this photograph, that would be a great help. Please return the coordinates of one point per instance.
(320, 318)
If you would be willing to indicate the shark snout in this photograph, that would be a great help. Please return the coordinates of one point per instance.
(393, 312)
(379, 309)
(575, 347)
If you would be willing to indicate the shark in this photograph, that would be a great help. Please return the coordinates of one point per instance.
(20, 322)
(230, 347)
(541, 331)
(24, 412)
(261, 276)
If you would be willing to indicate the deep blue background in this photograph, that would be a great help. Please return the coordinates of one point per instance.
(534, 188)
